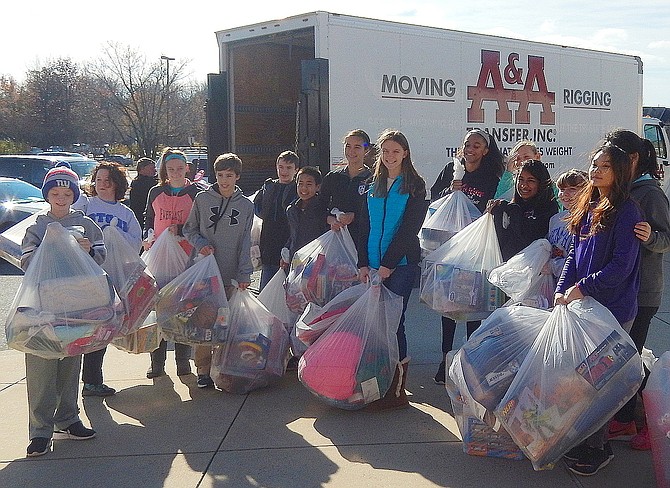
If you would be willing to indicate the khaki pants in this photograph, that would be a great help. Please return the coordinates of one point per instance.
(203, 359)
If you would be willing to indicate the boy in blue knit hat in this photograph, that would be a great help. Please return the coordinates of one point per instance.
(52, 384)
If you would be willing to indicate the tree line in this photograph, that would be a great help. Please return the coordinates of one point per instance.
(121, 97)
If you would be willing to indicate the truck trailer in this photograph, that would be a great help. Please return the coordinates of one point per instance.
(303, 82)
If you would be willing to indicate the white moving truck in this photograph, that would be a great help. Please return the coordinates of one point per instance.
(303, 82)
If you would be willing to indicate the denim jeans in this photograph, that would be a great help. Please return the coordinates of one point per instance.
(401, 283)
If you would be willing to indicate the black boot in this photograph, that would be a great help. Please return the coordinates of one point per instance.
(182, 355)
(158, 361)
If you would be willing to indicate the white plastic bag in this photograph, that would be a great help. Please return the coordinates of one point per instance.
(453, 280)
(321, 269)
(66, 304)
(193, 308)
(134, 284)
(354, 361)
(455, 212)
(527, 275)
(166, 259)
(578, 373)
(256, 353)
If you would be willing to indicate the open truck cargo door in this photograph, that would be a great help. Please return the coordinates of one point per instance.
(313, 117)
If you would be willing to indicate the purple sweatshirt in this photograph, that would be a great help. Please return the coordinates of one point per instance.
(606, 265)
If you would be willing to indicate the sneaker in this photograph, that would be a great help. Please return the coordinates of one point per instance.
(38, 447)
(641, 442)
(205, 381)
(183, 368)
(75, 432)
(441, 375)
(576, 452)
(591, 461)
(621, 431)
(97, 390)
(155, 373)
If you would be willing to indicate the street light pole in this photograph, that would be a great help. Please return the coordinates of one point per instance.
(167, 60)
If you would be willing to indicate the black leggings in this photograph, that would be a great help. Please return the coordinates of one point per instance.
(638, 333)
(449, 329)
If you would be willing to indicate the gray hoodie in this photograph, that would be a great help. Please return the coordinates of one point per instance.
(225, 224)
(654, 203)
(35, 234)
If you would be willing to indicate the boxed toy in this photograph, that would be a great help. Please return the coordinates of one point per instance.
(479, 439)
(145, 339)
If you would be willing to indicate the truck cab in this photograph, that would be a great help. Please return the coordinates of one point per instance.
(653, 129)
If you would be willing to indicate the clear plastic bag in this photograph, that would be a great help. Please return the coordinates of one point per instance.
(273, 297)
(453, 279)
(134, 284)
(479, 439)
(353, 362)
(578, 373)
(491, 357)
(147, 338)
(166, 259)
(656, 395)
(257, 351)
(193, 308)
(518, 276)
(315, 320)
(454, 212)
(321, 270)
(66, 304)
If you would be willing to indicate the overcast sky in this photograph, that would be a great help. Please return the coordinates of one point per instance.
(35, 31)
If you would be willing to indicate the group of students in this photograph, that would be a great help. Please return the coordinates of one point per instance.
(610, 213)
(607, 242)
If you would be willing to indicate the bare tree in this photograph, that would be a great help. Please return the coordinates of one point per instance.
(51, 93)
(134, 92)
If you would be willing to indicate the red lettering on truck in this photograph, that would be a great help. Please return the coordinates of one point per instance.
(498, 93)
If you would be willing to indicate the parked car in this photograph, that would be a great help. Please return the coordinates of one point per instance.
(33, 168)
(18, 200)
(118, 158)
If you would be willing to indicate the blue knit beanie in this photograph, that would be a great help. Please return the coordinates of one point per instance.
(61, 175)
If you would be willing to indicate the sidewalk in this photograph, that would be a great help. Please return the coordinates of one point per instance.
(168, 433)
